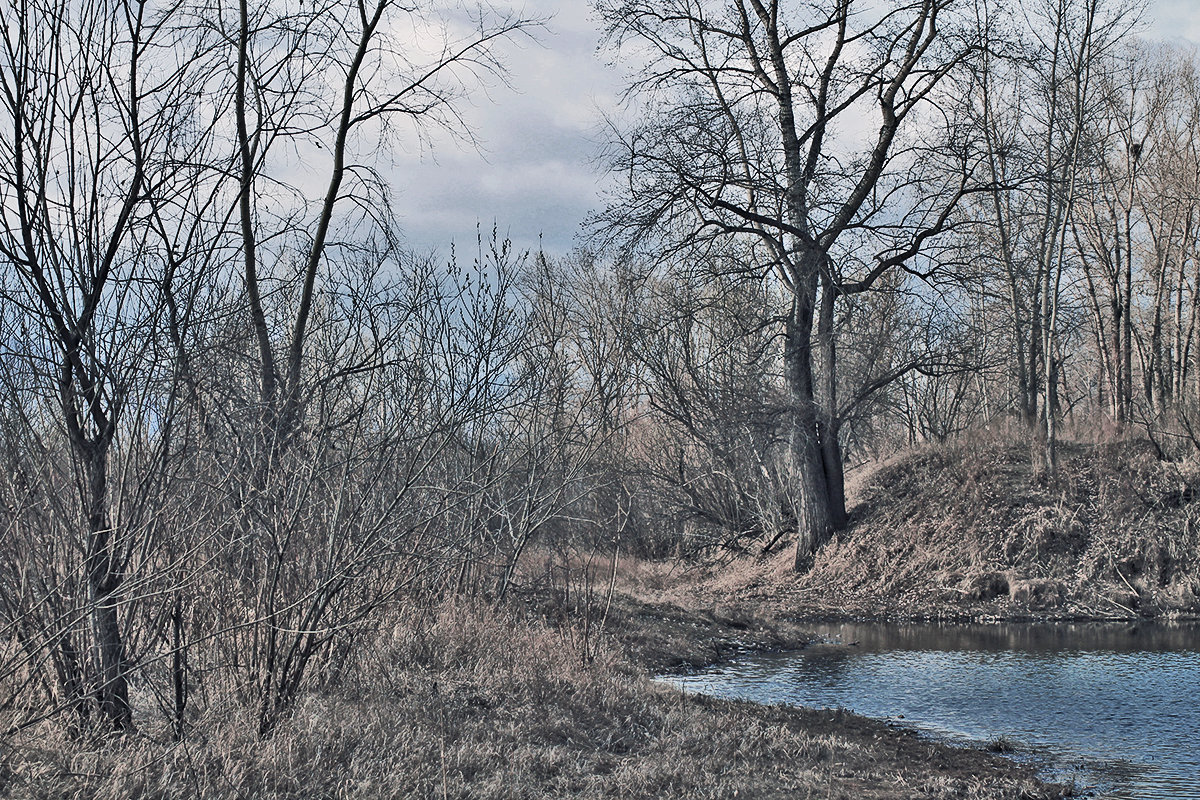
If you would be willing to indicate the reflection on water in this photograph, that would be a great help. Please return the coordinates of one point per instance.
(1113, 706)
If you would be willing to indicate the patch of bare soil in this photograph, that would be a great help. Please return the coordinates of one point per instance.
(665, 637)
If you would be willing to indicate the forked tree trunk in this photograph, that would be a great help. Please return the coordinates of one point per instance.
(817, 517)
(828, 422)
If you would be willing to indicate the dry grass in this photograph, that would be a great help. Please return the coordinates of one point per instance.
(551, 697)
(968, 530)
(468, 702)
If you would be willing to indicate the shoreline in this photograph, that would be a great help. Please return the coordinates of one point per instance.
(708, 634)
(469, 701)
(752, 633)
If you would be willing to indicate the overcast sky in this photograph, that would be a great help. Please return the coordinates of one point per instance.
(535, 174)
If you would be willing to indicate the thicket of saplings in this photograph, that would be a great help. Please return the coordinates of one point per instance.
(463, 431)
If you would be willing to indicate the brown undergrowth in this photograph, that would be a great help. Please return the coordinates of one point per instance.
(550, 695)
(970, 530)
(465, 701)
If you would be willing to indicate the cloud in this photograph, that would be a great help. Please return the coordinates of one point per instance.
(534, 172)
(1174, 20)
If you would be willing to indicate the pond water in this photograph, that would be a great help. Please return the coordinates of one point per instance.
(1114, 707)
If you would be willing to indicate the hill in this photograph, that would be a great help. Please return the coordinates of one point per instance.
(969, 530)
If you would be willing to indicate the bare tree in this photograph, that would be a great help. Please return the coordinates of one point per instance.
(759, 131)
(92, 144)
(708, 364)
(329, 82)
(308, 468)
(127, 230)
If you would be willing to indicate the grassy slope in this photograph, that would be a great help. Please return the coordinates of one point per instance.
(970, 528)
(968, 531)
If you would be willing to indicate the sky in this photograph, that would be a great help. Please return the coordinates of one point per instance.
(534, 173)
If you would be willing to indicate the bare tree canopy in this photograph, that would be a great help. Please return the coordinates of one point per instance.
(824, 139)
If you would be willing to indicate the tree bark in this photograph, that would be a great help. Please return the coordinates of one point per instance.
(828, 420)
(104, 583)
(816, 519)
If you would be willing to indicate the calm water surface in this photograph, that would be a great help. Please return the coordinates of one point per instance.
(1114, 707)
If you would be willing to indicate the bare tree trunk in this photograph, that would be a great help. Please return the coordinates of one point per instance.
(828, 421)
(1177, 359)
(1195, 317)
(104, 583)
(1104, 377)
(1127, 302)
(1029, 406)
(1157, 389)
(816, 518)
(1119, 370)
(1026, 400)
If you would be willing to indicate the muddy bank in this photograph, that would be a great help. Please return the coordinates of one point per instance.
(664, 637)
